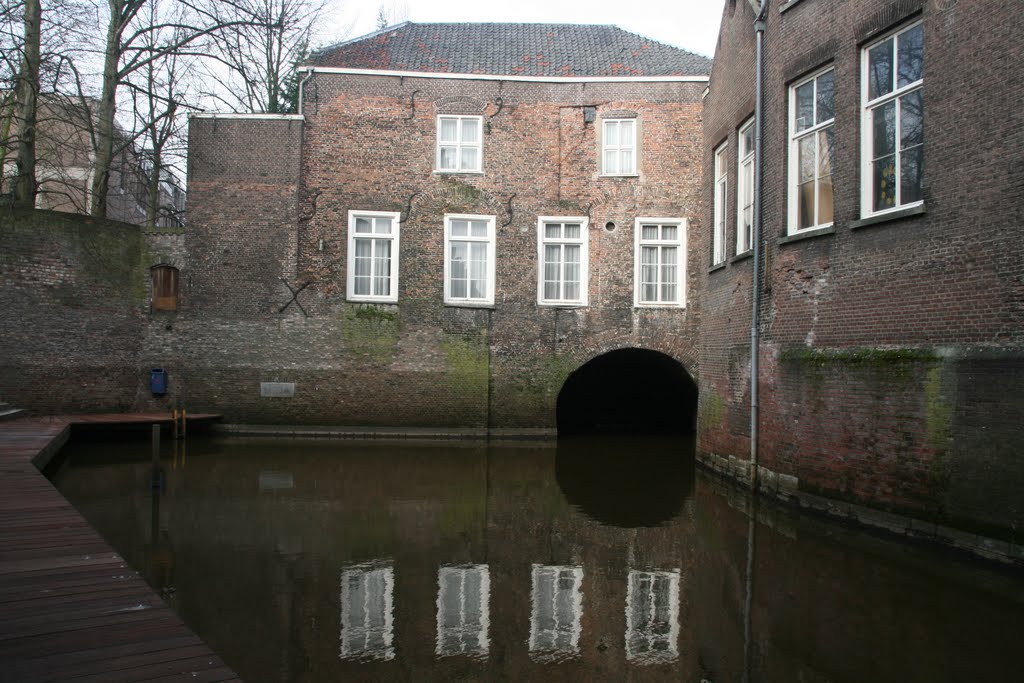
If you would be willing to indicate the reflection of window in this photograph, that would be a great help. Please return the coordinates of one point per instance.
(745, 188)
(469, 260)
(811, 151)
(367, 630)
(893, 121)
(463, 610)
(660, 264)
(562, 243)
(165, 287)
(721, 197)
(556, 612)
(459, 144)
(652, 616)
(372, 256)
(619, 147)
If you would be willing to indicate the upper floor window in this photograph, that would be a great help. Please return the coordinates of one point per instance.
(811, 151)
(469, 260)
(652, 616)
(660, 264)
(745, 188)
(556, 612)
(618, 146)
(373, 256)
(367, 624)
(463, 610)
(721, 197)
(562, 254)
(459, 144)
(892, 127)
(165, 287)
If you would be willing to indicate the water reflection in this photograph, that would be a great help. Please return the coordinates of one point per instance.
(367, 623)
(462, 562)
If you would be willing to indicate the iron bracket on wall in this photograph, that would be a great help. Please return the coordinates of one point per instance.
(295, 296)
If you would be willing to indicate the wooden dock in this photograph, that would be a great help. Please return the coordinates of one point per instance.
(70, 607)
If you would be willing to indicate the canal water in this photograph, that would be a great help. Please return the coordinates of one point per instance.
(609, 560)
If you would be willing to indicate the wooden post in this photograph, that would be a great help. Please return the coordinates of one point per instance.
(174, 421)
(183, 424)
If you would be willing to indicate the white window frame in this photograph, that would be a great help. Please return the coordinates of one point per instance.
(795, 136)
(679, 243)
(550, 638)
(582, 242)
(867, 129)
(618, 148)
(721, 204)
(489, 241)
(367, 624)
(459, 145)
(459, 633)
(392, 237)
(744, 187)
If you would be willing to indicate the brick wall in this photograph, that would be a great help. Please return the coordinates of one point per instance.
(881, 341)
(368, 143)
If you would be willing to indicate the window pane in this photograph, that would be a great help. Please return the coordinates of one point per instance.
(911, 174)
(649, 232)
(460, 228)
(884, 129)
(611, 133)
(459, 289)
(747, 141)
(478, 228)
(627, 162)
(911, 119)
(804, 106)
(470, 130)
(572, 231)
(826, 151)
(884, 182)
(911, 56)
(611, 162)
(552, 230)
(382, 226)
(626, 133)
(362, 224)
(880, 69)
(826, 97)
(806, 161)
(459, 257)
(825, 200)
(805, 200)
(382, 268)
(448, 158)
(470, 155)
(449, 130)
(669, 232)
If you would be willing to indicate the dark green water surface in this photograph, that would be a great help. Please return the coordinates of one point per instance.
(610, 560)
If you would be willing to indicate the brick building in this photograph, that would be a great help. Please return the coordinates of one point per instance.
(462, 217)
(892, 307)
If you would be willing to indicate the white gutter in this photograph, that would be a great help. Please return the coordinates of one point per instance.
(215, 115)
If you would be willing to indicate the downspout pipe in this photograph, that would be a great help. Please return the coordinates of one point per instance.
(309, 74)
(755, 335)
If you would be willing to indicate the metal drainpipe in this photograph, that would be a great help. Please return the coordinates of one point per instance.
(755, 336)
(309, 74)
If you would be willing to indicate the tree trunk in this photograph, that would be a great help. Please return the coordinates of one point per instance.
(25, 104)
(105, 113)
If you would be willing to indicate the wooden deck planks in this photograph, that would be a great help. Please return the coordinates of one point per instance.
(70, 607)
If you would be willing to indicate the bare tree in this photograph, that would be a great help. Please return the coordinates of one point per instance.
(26, 96)
(256, 58)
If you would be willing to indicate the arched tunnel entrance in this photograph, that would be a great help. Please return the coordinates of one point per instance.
(628, 391)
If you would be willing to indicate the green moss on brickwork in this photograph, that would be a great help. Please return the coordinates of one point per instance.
(527, 394)
(939, 426)
(712, 410)
(467, 364)
(461, 190)
(859, 356)
(371, 331)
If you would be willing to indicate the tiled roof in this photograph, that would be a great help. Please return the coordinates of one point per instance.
(547, 50)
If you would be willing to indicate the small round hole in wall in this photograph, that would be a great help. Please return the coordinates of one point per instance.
(609, 226)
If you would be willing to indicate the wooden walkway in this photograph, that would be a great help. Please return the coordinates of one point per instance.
(70, 608)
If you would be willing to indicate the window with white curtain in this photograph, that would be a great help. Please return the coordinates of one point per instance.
(892, 126)
(469, 260)
(811, 151)
(745, 188)
(660, 262)
(618, 147)
(372, 256)
(721, 197)
(367, 622)
(463, 610)
(459, 144)
(562, 255)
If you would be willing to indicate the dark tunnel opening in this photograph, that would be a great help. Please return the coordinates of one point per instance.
(628, 391)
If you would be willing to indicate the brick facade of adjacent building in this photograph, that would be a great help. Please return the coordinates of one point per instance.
(891, 343)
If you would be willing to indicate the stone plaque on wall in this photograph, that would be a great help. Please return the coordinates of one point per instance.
(277, 389)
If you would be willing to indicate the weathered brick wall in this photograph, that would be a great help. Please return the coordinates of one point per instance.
(72, 296)
(368, 143)
(880, 341)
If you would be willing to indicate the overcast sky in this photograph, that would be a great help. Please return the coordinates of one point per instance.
(690, 24)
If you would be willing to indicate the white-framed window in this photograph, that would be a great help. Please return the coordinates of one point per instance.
(618, 146)
(367, 621)
(812, 112)
(556, 612)
(460, 144)
(463, 610)
(721, 197)
(660, 262)
(372, 256)
(652, 616)
(892, 127)
(745, 187)
(562, 252)
(469, 260)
